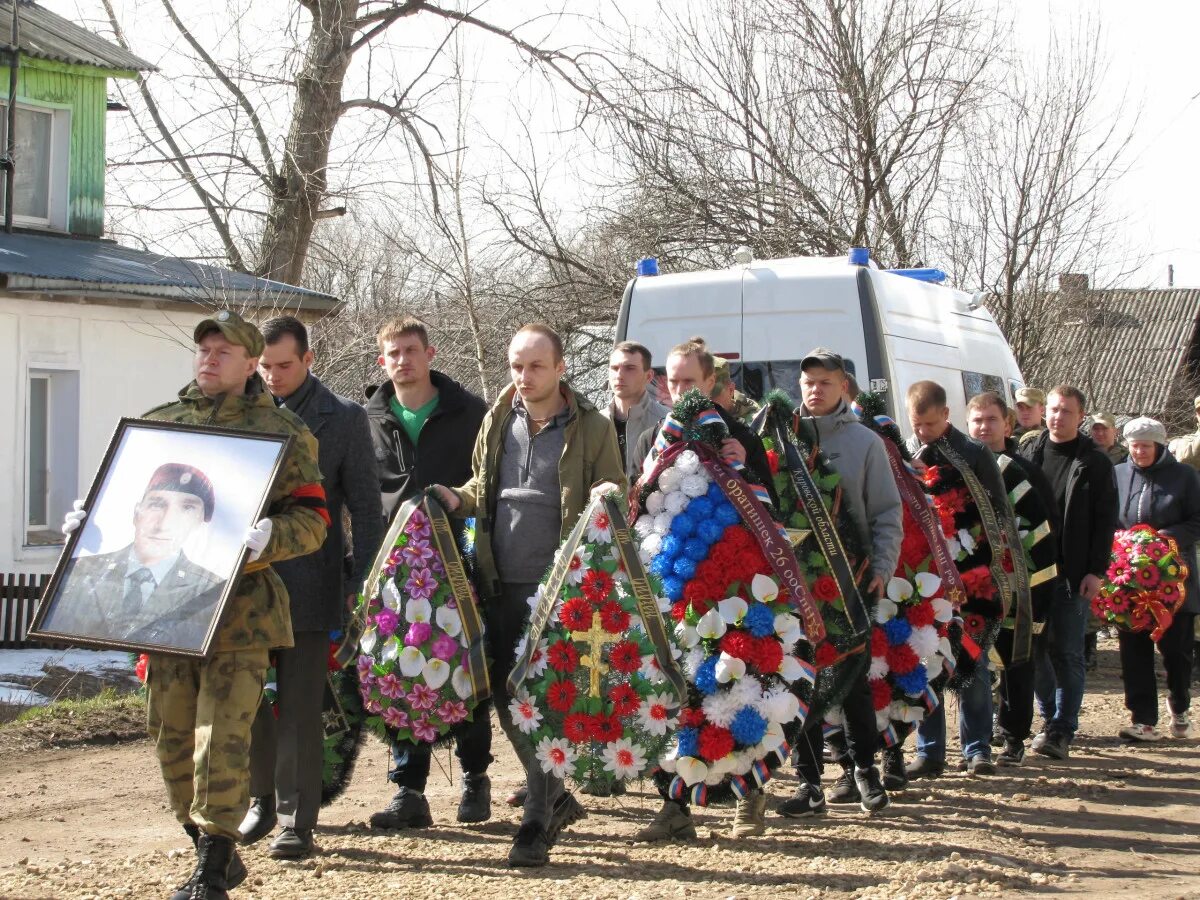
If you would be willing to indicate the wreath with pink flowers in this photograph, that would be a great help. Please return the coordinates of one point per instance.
(1145, 584)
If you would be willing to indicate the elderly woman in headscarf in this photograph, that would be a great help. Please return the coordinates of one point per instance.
(1157, 490)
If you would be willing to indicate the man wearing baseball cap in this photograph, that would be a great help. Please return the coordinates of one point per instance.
(1031, 410)
(1104, 432)
(200, 710)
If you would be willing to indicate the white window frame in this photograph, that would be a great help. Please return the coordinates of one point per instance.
(68, 468)
(48, 377)
(58, 189)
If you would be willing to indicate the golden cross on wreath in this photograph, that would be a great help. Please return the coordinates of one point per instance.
(595, 638)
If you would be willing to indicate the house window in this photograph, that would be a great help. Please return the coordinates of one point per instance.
(42, 141)
(51, 453)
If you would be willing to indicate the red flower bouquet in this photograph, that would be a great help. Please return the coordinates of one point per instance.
(1145, 583)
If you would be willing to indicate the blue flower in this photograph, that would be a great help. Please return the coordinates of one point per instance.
(748, 726)
(913, 683)
(683, 525)
(706, 676)
(759, 620)
(689, 742)
(898, 630)
(696, 548)
(685, 568)
(673, 587)
(715, 494)
(700, 508)
(726, 514)
(662, 565)
(671, 546)
(710, 530)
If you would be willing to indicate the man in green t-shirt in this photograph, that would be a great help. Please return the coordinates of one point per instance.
(423, 426)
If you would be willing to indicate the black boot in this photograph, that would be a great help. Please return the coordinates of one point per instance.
(234, 876)
(211, 880)
(476, 802)
(260, 819)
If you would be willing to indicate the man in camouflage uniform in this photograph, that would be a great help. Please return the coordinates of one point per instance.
(200, 710)
(1186, 449)
(1031, 414)
(728, 397)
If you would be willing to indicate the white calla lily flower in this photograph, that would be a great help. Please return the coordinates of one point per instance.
(968, 542)
(732, 609)
(391, 649)
(391, 596)
(412, 662)
(711, 626)
(368, 640)
(885, 610)
(764, 588)
(435, 672)
(729, 668)
(943, 609)
(417, 610)
(461, 682)
(448, 620)
(927, 583)
(691, 770)
(899, 589)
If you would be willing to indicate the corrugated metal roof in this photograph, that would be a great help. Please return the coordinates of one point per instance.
(46, 35)
(1128, 349)
(64, 265)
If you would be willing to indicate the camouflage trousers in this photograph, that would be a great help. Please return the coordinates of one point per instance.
(199, 713)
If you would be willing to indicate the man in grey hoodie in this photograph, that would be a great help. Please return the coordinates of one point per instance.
(858, 456)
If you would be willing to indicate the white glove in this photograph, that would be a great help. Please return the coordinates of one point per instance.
(258, 537)
(74, 518)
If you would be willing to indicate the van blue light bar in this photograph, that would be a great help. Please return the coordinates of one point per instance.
(647, 266)
(933, 276)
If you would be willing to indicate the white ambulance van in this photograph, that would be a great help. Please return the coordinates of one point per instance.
(893, 327)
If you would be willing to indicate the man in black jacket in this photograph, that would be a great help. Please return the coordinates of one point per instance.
(1086, 495)
(423, 426)
(287, 744)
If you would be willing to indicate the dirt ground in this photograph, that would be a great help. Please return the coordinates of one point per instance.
(1115, 819)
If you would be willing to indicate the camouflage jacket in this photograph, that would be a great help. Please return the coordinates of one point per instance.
(1186, 449)
(257, 615)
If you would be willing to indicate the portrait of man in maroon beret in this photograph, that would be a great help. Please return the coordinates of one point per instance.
(148, 592)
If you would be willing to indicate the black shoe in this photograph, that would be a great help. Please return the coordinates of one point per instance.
(476, 802)
(980, 765)
(924, 767)
(1056, 746)
(808, 801)
(844, 790)
(530, 848)
(260, 819)
(894, 778)
(292, 843)
(408, 809)
(567, 811)
(210, 880)
(870, 788)
(1013, 753)
(235, 876)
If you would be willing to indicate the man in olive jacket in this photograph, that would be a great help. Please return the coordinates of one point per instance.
(542, 451)
(199, 711)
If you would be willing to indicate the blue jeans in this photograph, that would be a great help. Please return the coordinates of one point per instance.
(1058, 664)
(974, 721)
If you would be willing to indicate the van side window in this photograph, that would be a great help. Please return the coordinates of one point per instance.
(977, 382)
(757, 379)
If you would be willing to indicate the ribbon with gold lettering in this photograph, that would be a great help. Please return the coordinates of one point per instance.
(464, 597)
(1000, 535)
(823, 530)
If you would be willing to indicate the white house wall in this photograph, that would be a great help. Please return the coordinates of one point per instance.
(129, 359)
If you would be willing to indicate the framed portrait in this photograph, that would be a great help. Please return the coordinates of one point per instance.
(157, 559)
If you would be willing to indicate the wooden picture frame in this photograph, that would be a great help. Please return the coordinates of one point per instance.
(157, 559)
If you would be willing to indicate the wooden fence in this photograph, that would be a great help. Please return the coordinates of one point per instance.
(19, 595)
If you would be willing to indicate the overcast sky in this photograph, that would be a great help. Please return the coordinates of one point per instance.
(1151, 74)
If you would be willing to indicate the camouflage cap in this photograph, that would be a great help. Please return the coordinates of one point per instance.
(184, 479)
(1105, 419)
(236, 330)
(1030, 396)
(721, 372)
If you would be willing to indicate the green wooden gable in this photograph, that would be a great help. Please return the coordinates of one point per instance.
(63, 71)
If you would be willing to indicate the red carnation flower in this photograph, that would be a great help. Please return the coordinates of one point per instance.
(879, 641)
(563, 657)
(596, 585)
(826, 655)
(920, 615)
(826, 589)
(625, 699)
(913, 549)
(902, 659)
(973, 624)
(767, 654)
(606, 729)
(932, 476)
(679, 610)
(576, 727)
(978, 582)
(613, 619)
(737, 537)
(560, 696)
(576, 615)
(691, 718)
(715, 742)
(737, 644)
(881, 693)
(625, 657)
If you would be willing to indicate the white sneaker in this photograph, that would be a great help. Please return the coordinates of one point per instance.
(1181, 728)
(1137, 732)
